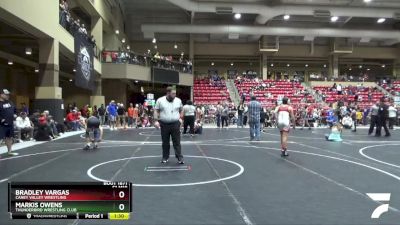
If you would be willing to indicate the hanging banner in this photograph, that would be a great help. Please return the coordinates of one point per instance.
(84, 75)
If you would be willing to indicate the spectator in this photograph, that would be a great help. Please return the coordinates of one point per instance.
(112, 114)
(24, 125)
(121, 115)
(130, 113)
(254, 111)
(339, 89)
(392, 116)
(72, 120)
(51, 123)
(95, 111)
(24, 108)
(189, 117)
(82, 29)
(102, 112)
(347, 122)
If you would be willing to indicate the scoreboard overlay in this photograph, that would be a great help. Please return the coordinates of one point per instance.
(70, 200)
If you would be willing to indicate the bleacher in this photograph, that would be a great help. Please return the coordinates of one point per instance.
(205, 93)
(394, 89)
(363, 100)
(276, 89)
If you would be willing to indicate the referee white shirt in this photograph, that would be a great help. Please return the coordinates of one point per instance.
(169, 111)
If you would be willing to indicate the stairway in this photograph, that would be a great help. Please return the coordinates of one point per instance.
(233, 92)
(383, 90)
(317, 97)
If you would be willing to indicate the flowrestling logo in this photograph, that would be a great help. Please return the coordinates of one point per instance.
(383, 198)
(84, 62)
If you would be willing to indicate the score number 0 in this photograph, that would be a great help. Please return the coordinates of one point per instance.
(121, 194)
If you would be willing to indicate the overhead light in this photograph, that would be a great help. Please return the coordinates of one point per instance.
(324, 65)
(381, 20)
(136, 81)
(117, 31)
(128, 47)
(367, 1)
(36, 70)
(10, 63)
(272, 65)
(231, 64)
(288, 65)
(360, 66)
(182, 53)
(383, 66)
(350, 69)
(28, 51)
(123, 40)
(175, 46)
(286, 17)
(70, 80)
(334, 18)
(238, 16)
(154, 40)
(212, 63)
(368, 69)
(148, 50)
(155, 47)
(74, 70)
(306, 65)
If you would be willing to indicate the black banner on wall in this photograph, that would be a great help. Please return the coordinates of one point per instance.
(84, 75)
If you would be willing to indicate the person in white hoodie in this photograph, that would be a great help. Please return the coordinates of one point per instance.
(24, 125)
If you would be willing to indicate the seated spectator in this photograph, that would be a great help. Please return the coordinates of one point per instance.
(51, 123)
(72, 120)
(24, 126)
(44, 132)
(347, 122)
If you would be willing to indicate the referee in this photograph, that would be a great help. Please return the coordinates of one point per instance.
(167, 114)
(7, 112)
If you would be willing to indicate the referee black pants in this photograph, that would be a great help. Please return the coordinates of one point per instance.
(171, 130)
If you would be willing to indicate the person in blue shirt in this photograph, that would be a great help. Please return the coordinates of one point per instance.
(331, 119)
(112, 114)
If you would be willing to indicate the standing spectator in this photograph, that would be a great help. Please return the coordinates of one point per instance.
(131, 112)
(24, 125)
(102, 112)
(240, 114)
(353, 115)
(24, 108)
(224, 116)
(339, 89)
(7, 113)
(167, 114)
(84, 111)
(121, 115)
(392, 116)
(189, 117)
(136, 117)
(218, 114)
(64, 13)
(95, 111)
(254, 118)
(112, 114)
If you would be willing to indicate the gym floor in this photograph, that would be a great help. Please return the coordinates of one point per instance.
(226, 178)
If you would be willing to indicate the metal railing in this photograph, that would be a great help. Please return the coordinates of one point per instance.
(145, 60)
